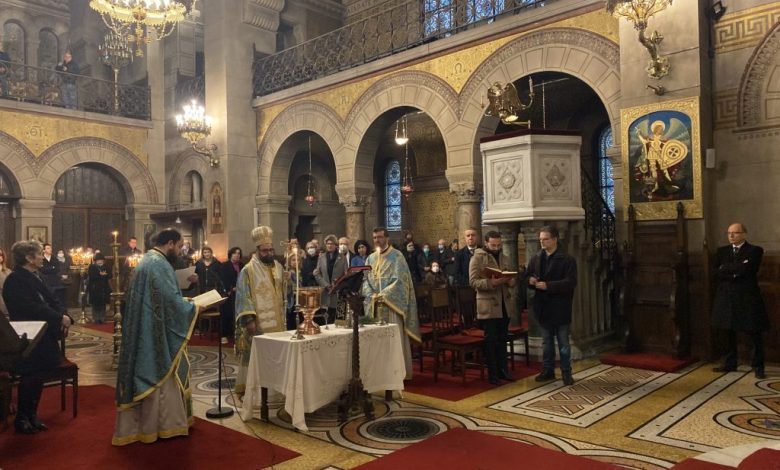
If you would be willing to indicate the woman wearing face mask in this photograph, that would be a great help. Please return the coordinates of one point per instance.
(362, 250)
(425, 258)
(435, 277)
(308, 265)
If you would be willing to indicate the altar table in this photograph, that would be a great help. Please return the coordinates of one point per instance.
(313, 372)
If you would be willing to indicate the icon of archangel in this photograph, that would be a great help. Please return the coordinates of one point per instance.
(660, 157)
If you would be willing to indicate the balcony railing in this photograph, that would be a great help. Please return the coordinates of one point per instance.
(51, 88)
(394, 30)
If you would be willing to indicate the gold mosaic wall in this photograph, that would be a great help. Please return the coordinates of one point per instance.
(39, 132)
(433, 216)
(455, 68)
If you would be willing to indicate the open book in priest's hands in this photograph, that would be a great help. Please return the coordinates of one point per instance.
(493, 273)
(208, 299)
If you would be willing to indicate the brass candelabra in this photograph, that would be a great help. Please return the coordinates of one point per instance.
(116, 301)
(80, 261)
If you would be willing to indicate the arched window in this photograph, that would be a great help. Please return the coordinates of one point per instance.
(438, 16)
(393, 196)
(606, 179)
(196, 188)
(15, 42)
(48, 49)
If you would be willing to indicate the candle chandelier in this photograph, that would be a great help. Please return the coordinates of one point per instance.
(400, 124)
(194, 125)
(116, 53)
(638, 12)
(310, 198)
(134, 20)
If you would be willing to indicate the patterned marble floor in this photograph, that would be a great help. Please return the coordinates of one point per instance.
(634, 418)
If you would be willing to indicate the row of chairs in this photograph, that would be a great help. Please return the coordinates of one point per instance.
(448, 323)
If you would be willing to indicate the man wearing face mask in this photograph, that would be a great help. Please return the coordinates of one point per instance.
(309, 265)
(331, 266)
(259, 300)
(425, 259)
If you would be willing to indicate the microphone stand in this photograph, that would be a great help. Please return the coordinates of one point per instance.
(219, 412)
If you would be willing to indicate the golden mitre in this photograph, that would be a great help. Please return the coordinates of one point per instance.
(263, 235)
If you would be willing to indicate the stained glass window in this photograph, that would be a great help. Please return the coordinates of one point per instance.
(479, 9)
(606, 178)
(393, 196)
(438, 16)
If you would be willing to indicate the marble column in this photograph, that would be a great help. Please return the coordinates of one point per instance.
(467, 213)
(355, 221)
(530, 234)
(35, 213)
(509, 233)
(274, 211)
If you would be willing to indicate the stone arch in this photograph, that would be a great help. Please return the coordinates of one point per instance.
(760, 83)
(304, 116)
(186, 162)
(134, 176)
(587, 56)
(19, 161)
(408, 89)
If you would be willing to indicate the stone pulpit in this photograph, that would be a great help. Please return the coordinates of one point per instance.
(531, 175)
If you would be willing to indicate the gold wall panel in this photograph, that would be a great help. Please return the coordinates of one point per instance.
(725, 110)
(433, 216)
(454, 68)
(38, 132)
(745, 28)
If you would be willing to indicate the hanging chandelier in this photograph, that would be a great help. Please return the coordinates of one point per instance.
(639, 12)
(310, 197)
(404, 137)
(194, 125)
(407, 187)
(136, 19)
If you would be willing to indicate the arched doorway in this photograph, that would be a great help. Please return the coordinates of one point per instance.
(9, 193)
(89, 205)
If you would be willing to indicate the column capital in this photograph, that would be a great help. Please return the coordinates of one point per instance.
(354, 198)
(466, 191)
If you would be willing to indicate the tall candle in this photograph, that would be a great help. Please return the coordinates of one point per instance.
(379, 267)
(297, 279)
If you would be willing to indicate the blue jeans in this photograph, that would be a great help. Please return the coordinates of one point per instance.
(69, 96)
(549, 336)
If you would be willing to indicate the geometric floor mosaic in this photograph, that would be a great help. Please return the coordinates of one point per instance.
(732, 410)
(598, 392)
(634, 418)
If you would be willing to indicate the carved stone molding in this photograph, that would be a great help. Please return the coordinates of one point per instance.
(762, 63)
(263, 14)
(595, 44)
(421, 80)
(136, 178)
(466, 192)
(744, 28)
(18, 159)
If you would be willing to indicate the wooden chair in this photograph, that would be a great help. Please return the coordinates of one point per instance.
(519, 332)
(448, 337)
(66, 373)
(422, 294)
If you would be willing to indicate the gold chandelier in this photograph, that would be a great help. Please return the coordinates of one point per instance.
(194, 126)
(136, 19)
(638, 12)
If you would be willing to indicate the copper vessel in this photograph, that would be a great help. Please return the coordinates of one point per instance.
(309, 303)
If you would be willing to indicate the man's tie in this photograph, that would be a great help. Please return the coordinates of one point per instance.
(736, 249)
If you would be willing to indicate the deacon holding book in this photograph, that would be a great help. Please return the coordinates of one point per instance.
(153, 394)
(260, 294)
(490, 277)
(389, 293)
(552, 275)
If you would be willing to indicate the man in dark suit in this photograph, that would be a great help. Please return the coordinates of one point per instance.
(552, 275)
(463, 257)
(738, 303)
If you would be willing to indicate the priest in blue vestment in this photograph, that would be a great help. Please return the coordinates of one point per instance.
(153, 395)
(391, 281)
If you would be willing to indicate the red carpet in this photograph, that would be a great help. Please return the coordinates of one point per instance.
(648, 361)
(463, 449)
(85, 442)
(451, 387)
(195, 340)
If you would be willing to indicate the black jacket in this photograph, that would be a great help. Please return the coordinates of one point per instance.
(209, 276)
(98, 285)
(28, 299)
(552, 307)
(51, 272)
(738, 303)
(462, 260)
(71, 68)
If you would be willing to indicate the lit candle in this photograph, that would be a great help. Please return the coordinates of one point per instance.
(115, 234)
(531, 84)
(379, 267)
